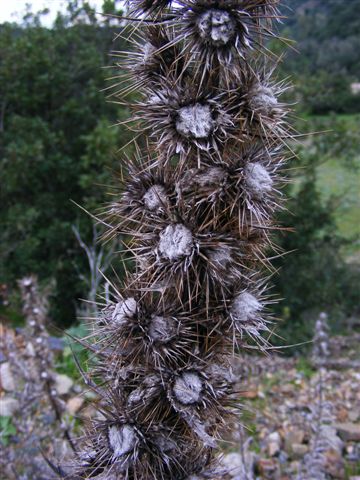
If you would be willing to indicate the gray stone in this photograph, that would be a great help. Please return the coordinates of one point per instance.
(354, 415)
(8, 406)
(56, 344)
(293, 436)
(74, 404)
(30, 351)
(233, 463)
(298, 450)
(6, 377)
(328, 432)
(349, 432)
(273, 442)
(63, 384)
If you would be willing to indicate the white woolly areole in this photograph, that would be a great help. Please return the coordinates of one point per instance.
(258, 179)
(155, 99)
(211, 176)
(145, 391)
(195, 121)
(148, 52)
(221, 256)
(187, 388)
(176, 241)
(155, 198)
(161, 329)
(122, 440)
(245, 307)
(263, 99)
(165, 444)
(124, 310)
(216, 27)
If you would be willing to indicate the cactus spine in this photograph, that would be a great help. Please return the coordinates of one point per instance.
(196, 208)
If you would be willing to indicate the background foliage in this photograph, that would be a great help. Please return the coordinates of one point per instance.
(56, 145)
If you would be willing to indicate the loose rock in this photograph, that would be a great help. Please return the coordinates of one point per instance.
(63, 384)
(349, 432)
(233, 463)
(74, 404)
(8, 406)
(293, 436)
(6, 377)
(298, 450)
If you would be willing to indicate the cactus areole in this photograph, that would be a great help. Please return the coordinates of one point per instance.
(195, 208)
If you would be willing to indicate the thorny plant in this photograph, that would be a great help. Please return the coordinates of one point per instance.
(321, 345)
(313, 466)
(195, 209)
(35, 309)
(38, 414)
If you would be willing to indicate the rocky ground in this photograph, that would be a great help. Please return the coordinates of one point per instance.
(298, 419)
(300, 422)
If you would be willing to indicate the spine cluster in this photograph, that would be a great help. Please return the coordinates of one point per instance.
(196, 212)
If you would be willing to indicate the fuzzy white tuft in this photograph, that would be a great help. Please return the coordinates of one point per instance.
(155, 198)
(245, 307)
(122, 440)
(145, 391)
(263, 100)
(257, 179)
(221, 256)
(211, 176)
(165, 444)
(124, 310)
(162, 329)
(216, 27)
(148, 52)
(187, 388)
(155, 99)
(176, 241)
(195, 121)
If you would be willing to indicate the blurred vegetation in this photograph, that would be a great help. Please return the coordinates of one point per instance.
(322, 270)
(325, 60)
(56, 145)
(7, 430)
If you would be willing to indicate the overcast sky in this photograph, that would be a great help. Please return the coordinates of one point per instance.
(10, 10)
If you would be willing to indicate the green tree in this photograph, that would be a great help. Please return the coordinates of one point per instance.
(315, 275)
(55, 141)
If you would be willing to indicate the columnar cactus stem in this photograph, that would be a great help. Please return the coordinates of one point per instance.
(196, 211)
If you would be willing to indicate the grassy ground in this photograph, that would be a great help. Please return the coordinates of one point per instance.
(335, 179)
(339, 173)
